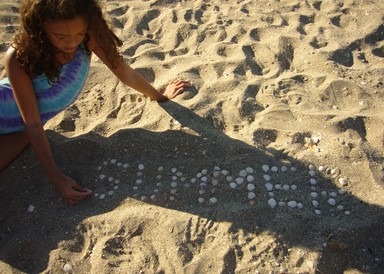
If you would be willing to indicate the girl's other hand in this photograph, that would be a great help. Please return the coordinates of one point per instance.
(71, 191)
(175, 88)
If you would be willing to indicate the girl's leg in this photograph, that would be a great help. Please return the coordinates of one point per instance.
(11, 145)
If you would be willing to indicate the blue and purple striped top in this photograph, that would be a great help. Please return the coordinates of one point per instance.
(51, 99)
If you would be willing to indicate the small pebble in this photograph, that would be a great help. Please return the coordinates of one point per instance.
(286, 187)
(281, 203)
(125, 165)
(274, 169)
(174, 184)
(239, 180)
(143, 197)
(347, 212)
(250, 178)
(314, 194)
(110, 179)
(113, 161)
(340, 207)
(216, 174)
(229, 178)
(315, 203)
(102, 176)
(312, 173)
(278, 186)
(233, 185)
(200, 200)
(343, 181)
(68, 268)
(342, 191)
(140, 167)
(299, 205)
(292, 204)
(284, 169)
(249, 170)
(313, 181)
(243, 173)
(333, 194)
(153, 197)
(267, 177)
(318, 212)
(293, 187)
(214, 182)
(173, 191)
(102, 196)
(293, 169)
(172, 198)
(138, 181)
(110, 193)
(213, 200)
(201, 191)
(311, 167)
(321, 168)
(30, 208)
(332, 202)
(251, 195)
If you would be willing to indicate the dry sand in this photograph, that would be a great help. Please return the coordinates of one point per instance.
(284, 83)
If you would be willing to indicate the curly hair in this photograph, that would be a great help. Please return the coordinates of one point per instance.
(33, 49)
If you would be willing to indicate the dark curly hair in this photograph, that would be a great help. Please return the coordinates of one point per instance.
(33, 49)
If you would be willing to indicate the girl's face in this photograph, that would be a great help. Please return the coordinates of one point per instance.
(66, 35)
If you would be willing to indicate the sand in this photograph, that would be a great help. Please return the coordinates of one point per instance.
(282, 83)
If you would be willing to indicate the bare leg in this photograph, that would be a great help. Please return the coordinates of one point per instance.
(11, 145)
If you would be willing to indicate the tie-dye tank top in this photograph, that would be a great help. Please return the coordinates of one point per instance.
(51, 99)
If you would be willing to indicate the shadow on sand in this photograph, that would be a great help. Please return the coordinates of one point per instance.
(27, 238)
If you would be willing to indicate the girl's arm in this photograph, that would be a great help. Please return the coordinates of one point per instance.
(135, 80)
(25, 98)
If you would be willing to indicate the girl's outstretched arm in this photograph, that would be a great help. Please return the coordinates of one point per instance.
(26, 100)
(135, 80)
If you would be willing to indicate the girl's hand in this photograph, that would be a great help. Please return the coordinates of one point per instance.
(71, 191)
(175, 88)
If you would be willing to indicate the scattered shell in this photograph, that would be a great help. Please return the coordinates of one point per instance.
(110, 179)
(272, 203)
(321, 168)
(312, 173)
(251, 195)
(249, 170)
(299, 205)
(274, 169)
(331, 202)
(250, 178)
(113, 161)
(239, 180)
(229, 178)
(153, 197)
(174, 184)
(102, 196)
(143, 197)
(68, 268)
(172, 198)
(214, 182)
(313, 181)
(125, 165)
(278, 186)
(311, 167)
(201, 191)
(140, 167)
(243, 173)
(173, 191)
(233, 185)
(267, 177)
(347, 212)
(292, 204)
(213, 200)
(265, 168)
(102, 176)
(293, 169)
(315, 203)
(333, 194)
(110, 193)
(160, 168)
(251, 187)
(293, 187)
(284, 169)
(269, 186)
(318, 212)
(30, 208)
(340, 207)
(138, 181)
(314, 194)
(343, 181)
(281, 203)
(200, 200)
(286, 187)
(342, 191)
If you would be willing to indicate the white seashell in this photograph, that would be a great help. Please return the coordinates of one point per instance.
(321, 168)
(313, 188)
(216, 168)
(267, 177)
(138, 181)
(243, 173)
(251, 195)
(139, 173)
(271, 194)
(324, 193)
(250, 178)
(233, 185)
(96, 194)
(173, 170)
(113, 161)
(314, 194)
(347, 212)
(292, 204)
(160, 168)
(68, 268)
(239, 180)
(274, 169)
(333, 194)
(286, 187)
(173, 191)
(214, 182)
(204, 179)
(229, 178)
(140, 167)
(174, 184)
(174, 178)
(135, 188)
(102, 196)
(204, 171)
(179, 174)
(272, 203)
(293, 187)
(213, 200)
(158, 184)
(225, 172)
(249, 170)
(293, 169)
(203, 184)
(284, 169)
(156, 190)
(315, 203)
(311, 167)
(318, 212)
(265, 168)
(110, 179)
(172, 198)
(281, 203)
(110, 193)
(153, 197)
(143, 197)
(159, 176)
(99, 168)
(278, 186)
(340, 207)
(200, 200)
(30, 208)
(201, 191)
(312, 173)
(193, 180)
(299, 205)
(313, 181)
(251, 187)
(332, 202)
(269, 186)
(199, 175)
(343, 181)
(119, 164)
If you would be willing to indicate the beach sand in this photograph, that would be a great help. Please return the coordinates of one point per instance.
(295, 85)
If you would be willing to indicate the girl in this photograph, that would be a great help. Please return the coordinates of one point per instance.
(47, 66)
